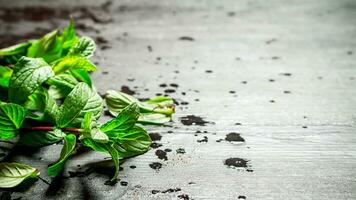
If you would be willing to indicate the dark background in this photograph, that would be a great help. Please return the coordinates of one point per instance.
(279, 73)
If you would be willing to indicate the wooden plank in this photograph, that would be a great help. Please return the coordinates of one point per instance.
(279, 73)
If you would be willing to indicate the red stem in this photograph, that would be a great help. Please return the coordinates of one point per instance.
(51, 128)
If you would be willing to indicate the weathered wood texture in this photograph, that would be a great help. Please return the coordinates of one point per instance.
(290, 65)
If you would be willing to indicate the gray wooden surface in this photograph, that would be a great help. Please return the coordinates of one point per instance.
(291, 65)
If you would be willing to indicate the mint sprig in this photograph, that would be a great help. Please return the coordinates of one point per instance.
(47, 96)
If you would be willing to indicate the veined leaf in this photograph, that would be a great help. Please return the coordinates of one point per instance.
(124, 121)
(73, 62)
(11, 119)
(67, 150)
(15, 49)
(73, 104)
(5, 75)
(82, 76)
(69, 37)
(115, 158)
(153, 118)
(37, 100)
(134, 142)
(41, 138)
(61, 85)
(12, 174)
(85, 47)
(28, 75)
(49, 47)
(91, 129)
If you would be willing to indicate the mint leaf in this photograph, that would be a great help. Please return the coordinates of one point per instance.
(61, 85)
(69, 37)
(49, 47)
(115, 158)
(11, 119)
(73, 104)
(73, 62)
(12, 174)
(124, 121)
(41, 138)
(82, 75)
(91, 129)
(134, 142)
(85, 47)
(153, 118)
(5, 75)
(67, 150)
(28, 75)
(15, 49)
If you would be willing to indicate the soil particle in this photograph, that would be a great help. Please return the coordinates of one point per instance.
(285, 74)
(169, 91)
(111, 183)
(161, 154)
(155, 136)
(193, 120)
(156, 166)
(186, 38)
(163, 85)
(234, 137)
(241, 197)
(183, 196)
(127, 90)
(174, 85)
(209, 71)
(123, 183)
(205, 139)
(168, 150)
(180, 151)
(238, 163)
(155, 145)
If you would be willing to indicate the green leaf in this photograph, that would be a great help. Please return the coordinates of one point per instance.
(73, 62)
(28, 75)
(67, 150)
(69, 36)
(5, 75)
(154, 111)
(37, 100)
(12, 174)
(73, 104)
(82, 76)
(124, 121)
(15, 49)
(85, 47)
(81, 99)
(11, 119)
(61, 85)
(134, 142)
(49, 47)
(115, 158)
(41, 138)
(153, 118)
(91, 129)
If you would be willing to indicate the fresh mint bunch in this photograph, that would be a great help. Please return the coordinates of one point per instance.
(47, 96)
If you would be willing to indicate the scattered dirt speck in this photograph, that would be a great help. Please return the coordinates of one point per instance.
(234, 137)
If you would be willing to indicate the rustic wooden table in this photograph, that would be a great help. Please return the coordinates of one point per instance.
(266, 94)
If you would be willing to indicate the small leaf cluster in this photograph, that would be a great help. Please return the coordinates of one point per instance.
(47, 96)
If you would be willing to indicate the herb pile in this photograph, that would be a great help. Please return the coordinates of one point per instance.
(47, 96)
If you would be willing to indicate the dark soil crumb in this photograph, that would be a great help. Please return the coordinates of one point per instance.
(155, 191)
(205, 139)
(208, 71)
(234, 137)
(155, 145)
(163, 85)
(191, 183)
(271, 80)
(127, 90)
(171, 190)
(285, 74)
(186, 38)
(161, 154)
(156, 166)
(193, 120)
(133, 166)
(271, 41)
(275, 58)
(184, 103)
(168, 150)
(232, 92)
(180, 151)
(111, 183)
(244, 82)
(238, 163)
(272, 101)
(100, 40)
(219, 140)
(238, 124)
(131, 79)
(286, 92)
(149, 48)
(155, 136)
(105, 72)
(123, 183)
(304, 127)
(231, 14)
(183, 196)
(169, 91)
(174, 85)
(241, 197)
